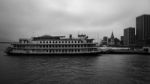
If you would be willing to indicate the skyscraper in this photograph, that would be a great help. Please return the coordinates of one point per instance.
(129, 36)
(143, 30)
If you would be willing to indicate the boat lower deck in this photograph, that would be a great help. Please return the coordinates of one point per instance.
(51, 54)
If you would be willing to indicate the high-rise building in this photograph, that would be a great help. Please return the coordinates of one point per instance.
(129, 36)
(122, 40)
(143, 30)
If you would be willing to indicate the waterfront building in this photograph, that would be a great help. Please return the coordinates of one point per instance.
(54, 45)
(129, 36)
(143, 30)
(122, 40)
(105, 41)
(113, 41)
(117, 42)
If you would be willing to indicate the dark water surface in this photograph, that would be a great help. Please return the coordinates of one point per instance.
(103, 69)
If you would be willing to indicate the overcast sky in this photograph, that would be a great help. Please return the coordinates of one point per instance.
(97, 18)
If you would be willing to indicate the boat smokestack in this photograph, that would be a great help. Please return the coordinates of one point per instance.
(70, 36)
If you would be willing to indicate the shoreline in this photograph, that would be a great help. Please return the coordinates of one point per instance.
(125, 53)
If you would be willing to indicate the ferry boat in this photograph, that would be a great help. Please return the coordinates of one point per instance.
(54, 45)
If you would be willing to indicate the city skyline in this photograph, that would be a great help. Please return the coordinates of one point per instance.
(97, 18)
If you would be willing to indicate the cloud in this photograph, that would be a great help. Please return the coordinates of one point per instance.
(20, 18)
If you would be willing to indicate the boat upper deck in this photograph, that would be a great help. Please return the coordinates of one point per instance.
(58, 40)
